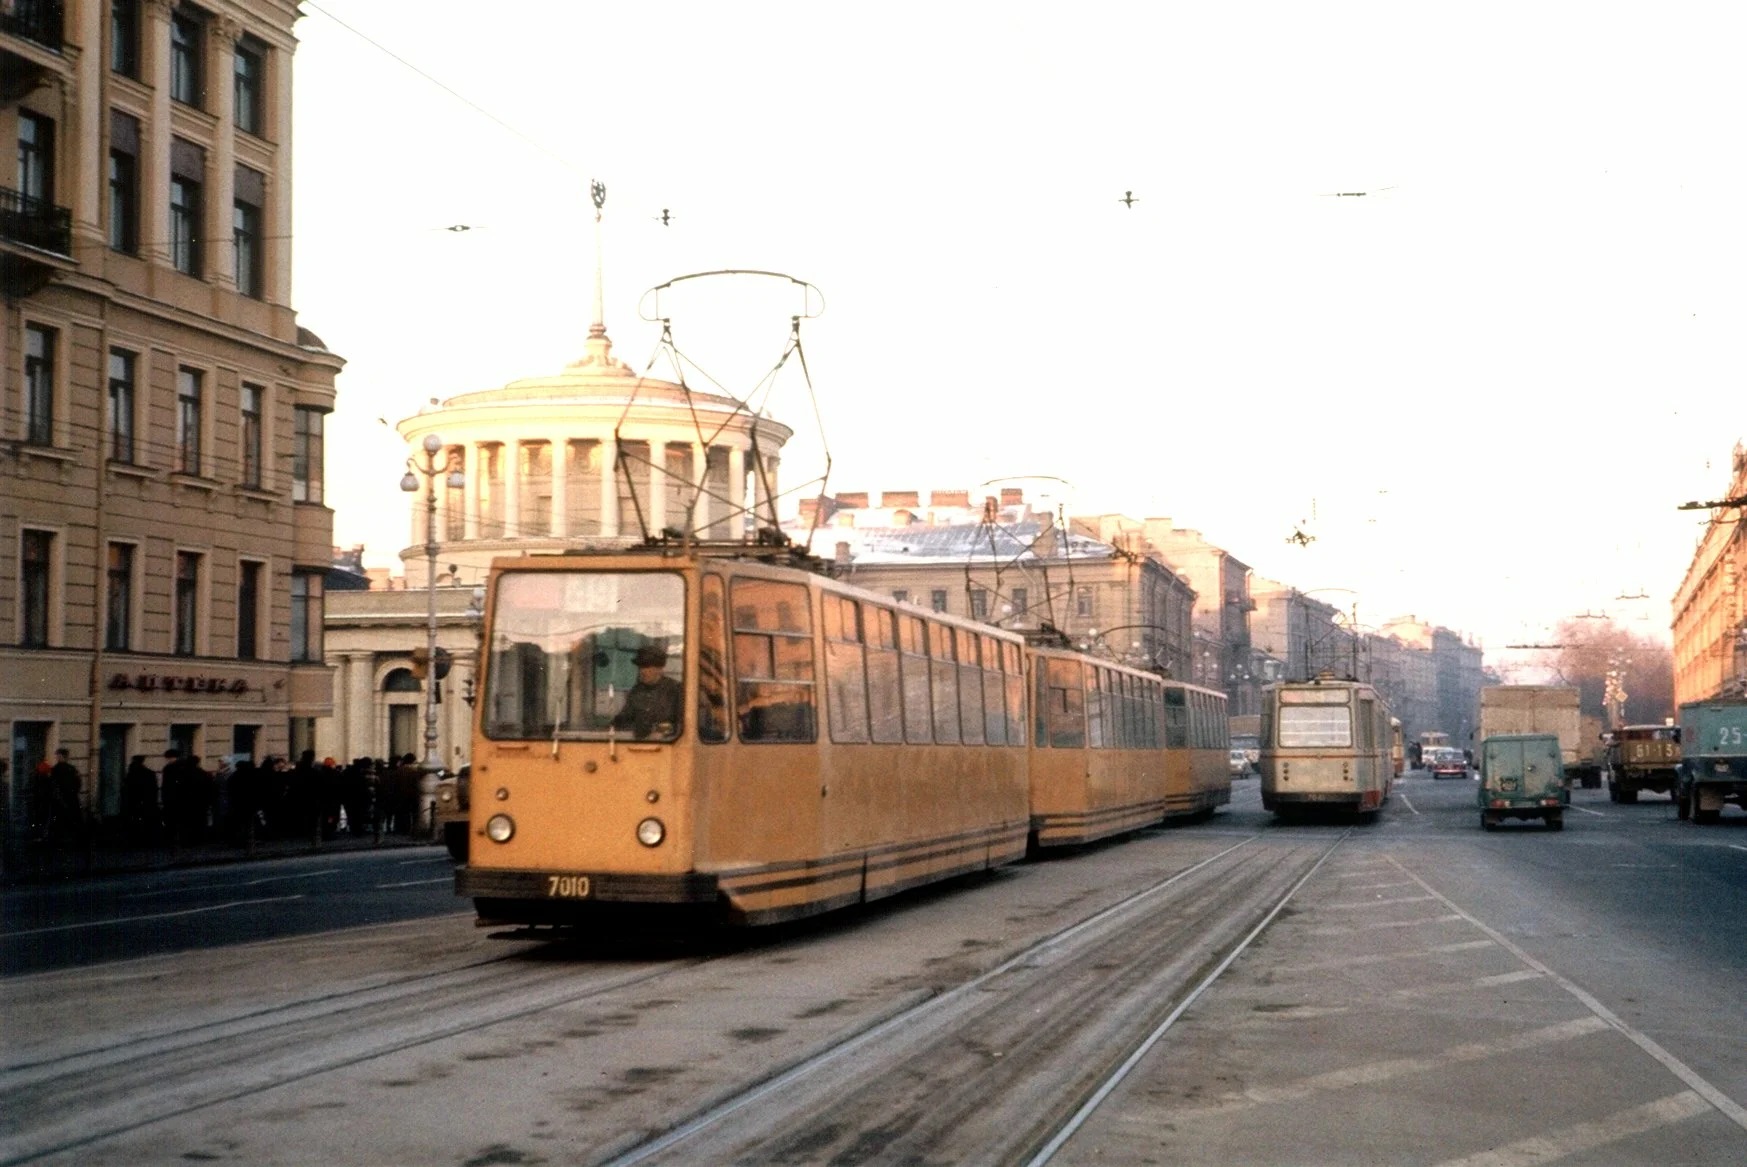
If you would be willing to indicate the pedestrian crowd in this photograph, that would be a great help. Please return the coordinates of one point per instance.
(184, 803)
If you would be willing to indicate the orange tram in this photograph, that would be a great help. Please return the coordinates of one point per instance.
(735, 734)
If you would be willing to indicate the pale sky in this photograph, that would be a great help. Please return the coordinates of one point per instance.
(1484, 386)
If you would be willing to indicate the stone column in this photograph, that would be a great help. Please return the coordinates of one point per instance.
(475, 470)
(221, 171)
(701, 511)
(276, 247)
(359, 729)
(91, 129)
(736, 491)
(657, 486)
(609, 484)
(154, 160)
(560, 447)
(511, 462)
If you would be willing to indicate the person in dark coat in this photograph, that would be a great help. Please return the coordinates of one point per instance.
(652, 705)
(66, 801)
(139, 801)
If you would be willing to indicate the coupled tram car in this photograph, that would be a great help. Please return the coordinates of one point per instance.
(676, 729)
(1326, 746)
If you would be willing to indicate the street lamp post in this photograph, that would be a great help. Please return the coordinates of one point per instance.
(433, 445)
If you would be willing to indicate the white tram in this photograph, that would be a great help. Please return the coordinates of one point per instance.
(1325, 746)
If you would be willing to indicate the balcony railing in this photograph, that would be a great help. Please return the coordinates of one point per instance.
(35, 223)
(35, 20)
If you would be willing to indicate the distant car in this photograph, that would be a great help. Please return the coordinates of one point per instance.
(1240, 762)
(1447, 763)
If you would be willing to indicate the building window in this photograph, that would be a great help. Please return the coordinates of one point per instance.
(187, 629)
(251, 434)
(185, 54)
(118, 601)
(1021, 601)
(306, 616)
(248, 610)
(123, 203)
(306, 456)
(1083, 602)
(246, 236)
(121, 363)
(189, 393)
(901, 595)
(36, 566)
(249, 85)
(185, 225)
(36, 157)
(937, 599)
(124, 37)
(979, 604)
(39, 385)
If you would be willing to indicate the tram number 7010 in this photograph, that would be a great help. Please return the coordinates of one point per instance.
(567, 887)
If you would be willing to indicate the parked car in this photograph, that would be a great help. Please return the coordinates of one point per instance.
(1240, 762)
(1447, 762)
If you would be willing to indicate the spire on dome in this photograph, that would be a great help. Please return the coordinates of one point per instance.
(598, 349)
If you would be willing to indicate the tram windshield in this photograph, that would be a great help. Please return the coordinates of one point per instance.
(585, 654)
(1315, 718)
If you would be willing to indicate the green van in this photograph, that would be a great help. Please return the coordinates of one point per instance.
(1521, 777)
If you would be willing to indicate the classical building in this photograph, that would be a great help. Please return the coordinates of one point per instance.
(1301, 632)
(998, 560)
(1455, 666)
(1710, 607)
(593, 456)
(163, 534)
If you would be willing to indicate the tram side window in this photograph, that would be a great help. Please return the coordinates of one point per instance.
(712, 664)
(1015, 674)
(970, 686)
(1066, 704)
(944, 673)
(913, 659)
(884, 696)
(1176, 719)
(845, 670)
(994, 702)
(1368, 737)
(773, 662)
(1095, 708)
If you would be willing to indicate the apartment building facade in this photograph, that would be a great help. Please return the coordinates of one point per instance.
(1710, 607)
(164, 533)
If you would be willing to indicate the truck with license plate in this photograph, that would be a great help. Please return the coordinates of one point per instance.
(1713, 772)
(1640, 758)
(1522, 777)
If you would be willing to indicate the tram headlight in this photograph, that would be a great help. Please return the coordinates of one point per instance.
(650, 832)
(499, 828)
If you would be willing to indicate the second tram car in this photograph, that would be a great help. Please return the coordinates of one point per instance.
(1325, 746)
(739, 735)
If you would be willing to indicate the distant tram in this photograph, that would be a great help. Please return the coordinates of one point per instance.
(731, 733)
(1326, 745)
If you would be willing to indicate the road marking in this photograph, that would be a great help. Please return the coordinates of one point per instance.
(1735, 1112)
(1394, 883)
(1409, 802)
(1361, 961)
(1598, 814)
(153, 916)
(1587, 1136)
(1379, 925)
(444, 859)
(1376, 1072)
(1736, 847)
(1527, 974)
(418, 882)
(1353, 905)
(140, 895)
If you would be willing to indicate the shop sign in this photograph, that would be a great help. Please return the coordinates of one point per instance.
(165, 683)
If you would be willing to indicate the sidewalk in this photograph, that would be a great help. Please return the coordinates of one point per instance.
(40, 862)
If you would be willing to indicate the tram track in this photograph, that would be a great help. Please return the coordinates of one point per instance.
(90, 1095)
(1003, 1066)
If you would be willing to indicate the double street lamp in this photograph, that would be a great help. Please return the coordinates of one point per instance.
(454, 480)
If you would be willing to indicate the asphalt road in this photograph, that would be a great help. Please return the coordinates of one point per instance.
(113, 917)
(1427, 993)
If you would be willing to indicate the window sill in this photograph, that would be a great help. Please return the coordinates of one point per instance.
(258, 494)
(193, 482)
(132, 470)
(57, 454)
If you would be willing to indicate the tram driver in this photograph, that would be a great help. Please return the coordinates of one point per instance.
(652, 705)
